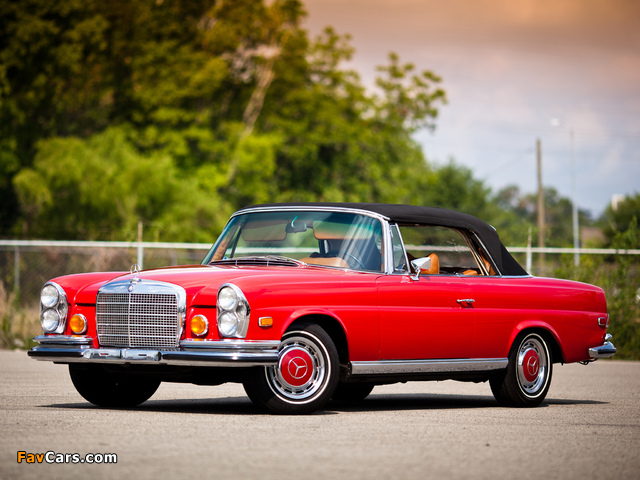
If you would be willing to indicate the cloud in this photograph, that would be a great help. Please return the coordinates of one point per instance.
(509, 67)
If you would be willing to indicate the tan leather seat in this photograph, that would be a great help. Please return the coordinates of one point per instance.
(434, 269)
(327, 262)
(487, 264)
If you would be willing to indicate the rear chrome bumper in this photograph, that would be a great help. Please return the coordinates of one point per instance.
(603, 351)
(206, 353)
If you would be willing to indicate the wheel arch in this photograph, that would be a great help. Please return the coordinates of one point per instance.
(333, 328)
(547, 333)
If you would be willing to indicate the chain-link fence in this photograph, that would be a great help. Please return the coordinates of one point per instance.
(26, 265)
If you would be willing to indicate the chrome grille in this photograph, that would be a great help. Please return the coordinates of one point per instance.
(143, 320)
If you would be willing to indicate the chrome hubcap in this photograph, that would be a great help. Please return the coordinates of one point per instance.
(532, 366)
(301, 370)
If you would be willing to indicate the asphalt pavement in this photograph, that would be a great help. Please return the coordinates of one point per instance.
(589, 427)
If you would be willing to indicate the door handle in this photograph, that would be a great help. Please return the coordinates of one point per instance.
(466, 302)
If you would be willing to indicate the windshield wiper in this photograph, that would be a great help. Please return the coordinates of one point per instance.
(266, 260)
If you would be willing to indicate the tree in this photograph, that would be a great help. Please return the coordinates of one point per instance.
(558, 213)
(619, 276)
(619, 219)
(230, 101)
(99, 188)
(408, 100)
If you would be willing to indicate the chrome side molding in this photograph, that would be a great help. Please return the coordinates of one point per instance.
(393, 367)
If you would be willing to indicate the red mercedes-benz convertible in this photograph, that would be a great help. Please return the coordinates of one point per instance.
(302, 303)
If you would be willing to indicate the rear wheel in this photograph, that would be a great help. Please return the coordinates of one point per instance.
(304, 378)
(107, 389)
(526, 380)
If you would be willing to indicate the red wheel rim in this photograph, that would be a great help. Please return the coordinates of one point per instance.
(301, 372)
(296, 367)
(531, 365)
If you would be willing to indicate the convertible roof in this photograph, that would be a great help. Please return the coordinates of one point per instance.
(411, 214)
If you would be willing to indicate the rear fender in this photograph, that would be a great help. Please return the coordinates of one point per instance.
(557, 349)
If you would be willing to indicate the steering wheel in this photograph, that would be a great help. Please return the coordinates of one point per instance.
(344, 255)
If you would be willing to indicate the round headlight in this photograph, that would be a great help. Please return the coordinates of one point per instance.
(49, 296)
(227, 298)
(241, 310)
(63, 309)
(50, 320)
(228, 324)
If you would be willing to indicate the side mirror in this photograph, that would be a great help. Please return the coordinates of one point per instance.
(419, 264)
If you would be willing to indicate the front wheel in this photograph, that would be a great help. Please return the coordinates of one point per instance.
(304, 378)
(107, 389)
(526, 380)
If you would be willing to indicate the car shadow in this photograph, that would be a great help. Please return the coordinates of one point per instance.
(380, 402)
(436, 402)
(415, 401)
(566, 401)
(209, 406)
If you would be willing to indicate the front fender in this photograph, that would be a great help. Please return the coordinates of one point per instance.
(309, 312)
(360, 330)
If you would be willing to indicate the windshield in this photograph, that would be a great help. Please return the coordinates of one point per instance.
(331, 239)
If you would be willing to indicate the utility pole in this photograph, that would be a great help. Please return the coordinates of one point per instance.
(140, 248)
(540, 206)
(574, 212)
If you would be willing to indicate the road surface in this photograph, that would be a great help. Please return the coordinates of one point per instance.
(589, 427)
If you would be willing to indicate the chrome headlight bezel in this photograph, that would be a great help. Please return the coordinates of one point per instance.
(50, 309)
(233, 312)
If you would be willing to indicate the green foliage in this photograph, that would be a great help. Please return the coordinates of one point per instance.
(619, 276)
(101, 187)
(175, 113)
(558, 214)
(408, 100)
(18, 325)
(209, 106)
(622, 217)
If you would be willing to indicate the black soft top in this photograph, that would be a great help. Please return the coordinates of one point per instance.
(411, 214)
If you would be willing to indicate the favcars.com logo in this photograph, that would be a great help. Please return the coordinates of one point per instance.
(53, 457)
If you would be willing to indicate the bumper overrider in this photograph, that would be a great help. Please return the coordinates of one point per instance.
(206, 353)
(603, 351)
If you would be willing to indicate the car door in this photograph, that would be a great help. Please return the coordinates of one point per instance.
(425, 319)
(430, 317)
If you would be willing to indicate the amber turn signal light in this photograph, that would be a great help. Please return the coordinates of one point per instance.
(199, 325)
(265, 321)
(78, 324)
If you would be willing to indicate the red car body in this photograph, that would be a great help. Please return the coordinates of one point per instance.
(359, 312)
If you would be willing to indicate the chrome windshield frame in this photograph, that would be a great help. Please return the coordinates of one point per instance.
(387, 248)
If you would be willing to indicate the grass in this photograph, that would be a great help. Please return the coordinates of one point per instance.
(19, 324)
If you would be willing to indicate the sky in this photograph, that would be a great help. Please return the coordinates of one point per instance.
(566, 72)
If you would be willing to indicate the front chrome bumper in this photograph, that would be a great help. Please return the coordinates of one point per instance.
(603, 351)
(206, 353)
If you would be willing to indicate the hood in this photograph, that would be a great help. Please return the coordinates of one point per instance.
(201, 282)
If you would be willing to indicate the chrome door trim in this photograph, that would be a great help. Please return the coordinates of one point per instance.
(393, 367)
